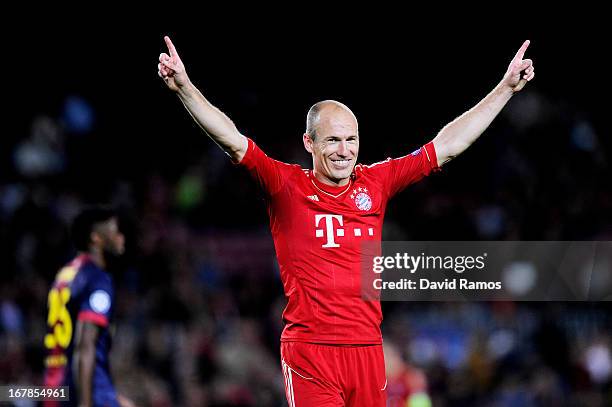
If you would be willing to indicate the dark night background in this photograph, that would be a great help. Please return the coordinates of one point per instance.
(87, 119)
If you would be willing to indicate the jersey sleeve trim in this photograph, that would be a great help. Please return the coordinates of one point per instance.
(93, 317)
(247, 159)
(432, 157)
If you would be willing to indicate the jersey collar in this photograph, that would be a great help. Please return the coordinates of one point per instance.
(329, 190)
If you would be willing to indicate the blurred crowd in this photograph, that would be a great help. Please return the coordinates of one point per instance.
(199, 300)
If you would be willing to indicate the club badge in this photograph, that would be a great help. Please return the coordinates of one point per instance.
(362, 199)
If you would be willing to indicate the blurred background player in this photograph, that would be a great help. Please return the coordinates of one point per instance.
(80, 306)
(331, 346)
(406, 384)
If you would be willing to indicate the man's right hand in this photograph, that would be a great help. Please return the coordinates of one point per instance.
(212, 120)
(171, 68)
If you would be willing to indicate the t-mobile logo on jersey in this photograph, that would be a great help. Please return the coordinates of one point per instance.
(329, 226)
(330, 232)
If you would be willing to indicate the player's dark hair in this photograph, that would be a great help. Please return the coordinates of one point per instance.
(86, 221)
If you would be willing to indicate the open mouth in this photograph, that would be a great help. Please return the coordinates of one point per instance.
(341, 164)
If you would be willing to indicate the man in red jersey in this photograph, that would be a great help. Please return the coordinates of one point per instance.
(331, 346)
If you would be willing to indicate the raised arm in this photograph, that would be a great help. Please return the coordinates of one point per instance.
(214, 122)
(459, 134)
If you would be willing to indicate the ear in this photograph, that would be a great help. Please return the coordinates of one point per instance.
(95, 238)
(307, 142)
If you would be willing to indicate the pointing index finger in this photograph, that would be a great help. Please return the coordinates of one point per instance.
(170, 46)
(521, 52)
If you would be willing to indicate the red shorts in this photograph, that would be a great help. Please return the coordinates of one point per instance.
(338, 376)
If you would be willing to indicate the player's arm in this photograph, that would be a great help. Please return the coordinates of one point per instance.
(124, 401)
(214, 122)
(85, 361)
(459, 134)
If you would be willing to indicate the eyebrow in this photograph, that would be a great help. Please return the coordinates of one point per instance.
(338, 137)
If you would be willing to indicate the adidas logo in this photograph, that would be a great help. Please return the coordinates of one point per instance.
(313, 198)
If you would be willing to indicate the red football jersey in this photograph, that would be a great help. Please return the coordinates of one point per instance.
(318, 231)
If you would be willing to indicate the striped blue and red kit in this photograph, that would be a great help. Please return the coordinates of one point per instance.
(82, 291)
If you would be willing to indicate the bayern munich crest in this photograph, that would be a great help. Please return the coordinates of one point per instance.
(362, 199)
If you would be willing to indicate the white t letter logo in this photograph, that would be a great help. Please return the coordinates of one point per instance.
(329, 229)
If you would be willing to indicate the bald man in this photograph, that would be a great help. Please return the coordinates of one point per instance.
(331, 346)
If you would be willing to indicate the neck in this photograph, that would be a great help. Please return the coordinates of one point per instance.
(331, 182)
(97, 256)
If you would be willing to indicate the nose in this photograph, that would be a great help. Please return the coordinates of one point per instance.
(342, 148)
(121, 240)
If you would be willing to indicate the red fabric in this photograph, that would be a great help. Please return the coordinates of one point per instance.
(408, 382)
(338, 376)
(318, 232)
(90, 316)
(54, 377)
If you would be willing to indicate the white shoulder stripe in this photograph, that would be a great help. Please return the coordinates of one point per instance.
(378, 163)
(427, 154)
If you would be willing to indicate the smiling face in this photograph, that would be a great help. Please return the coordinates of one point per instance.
(332, 138)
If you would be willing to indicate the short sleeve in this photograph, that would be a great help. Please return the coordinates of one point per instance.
(97, 303)
(398, 173)
(270, 174)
